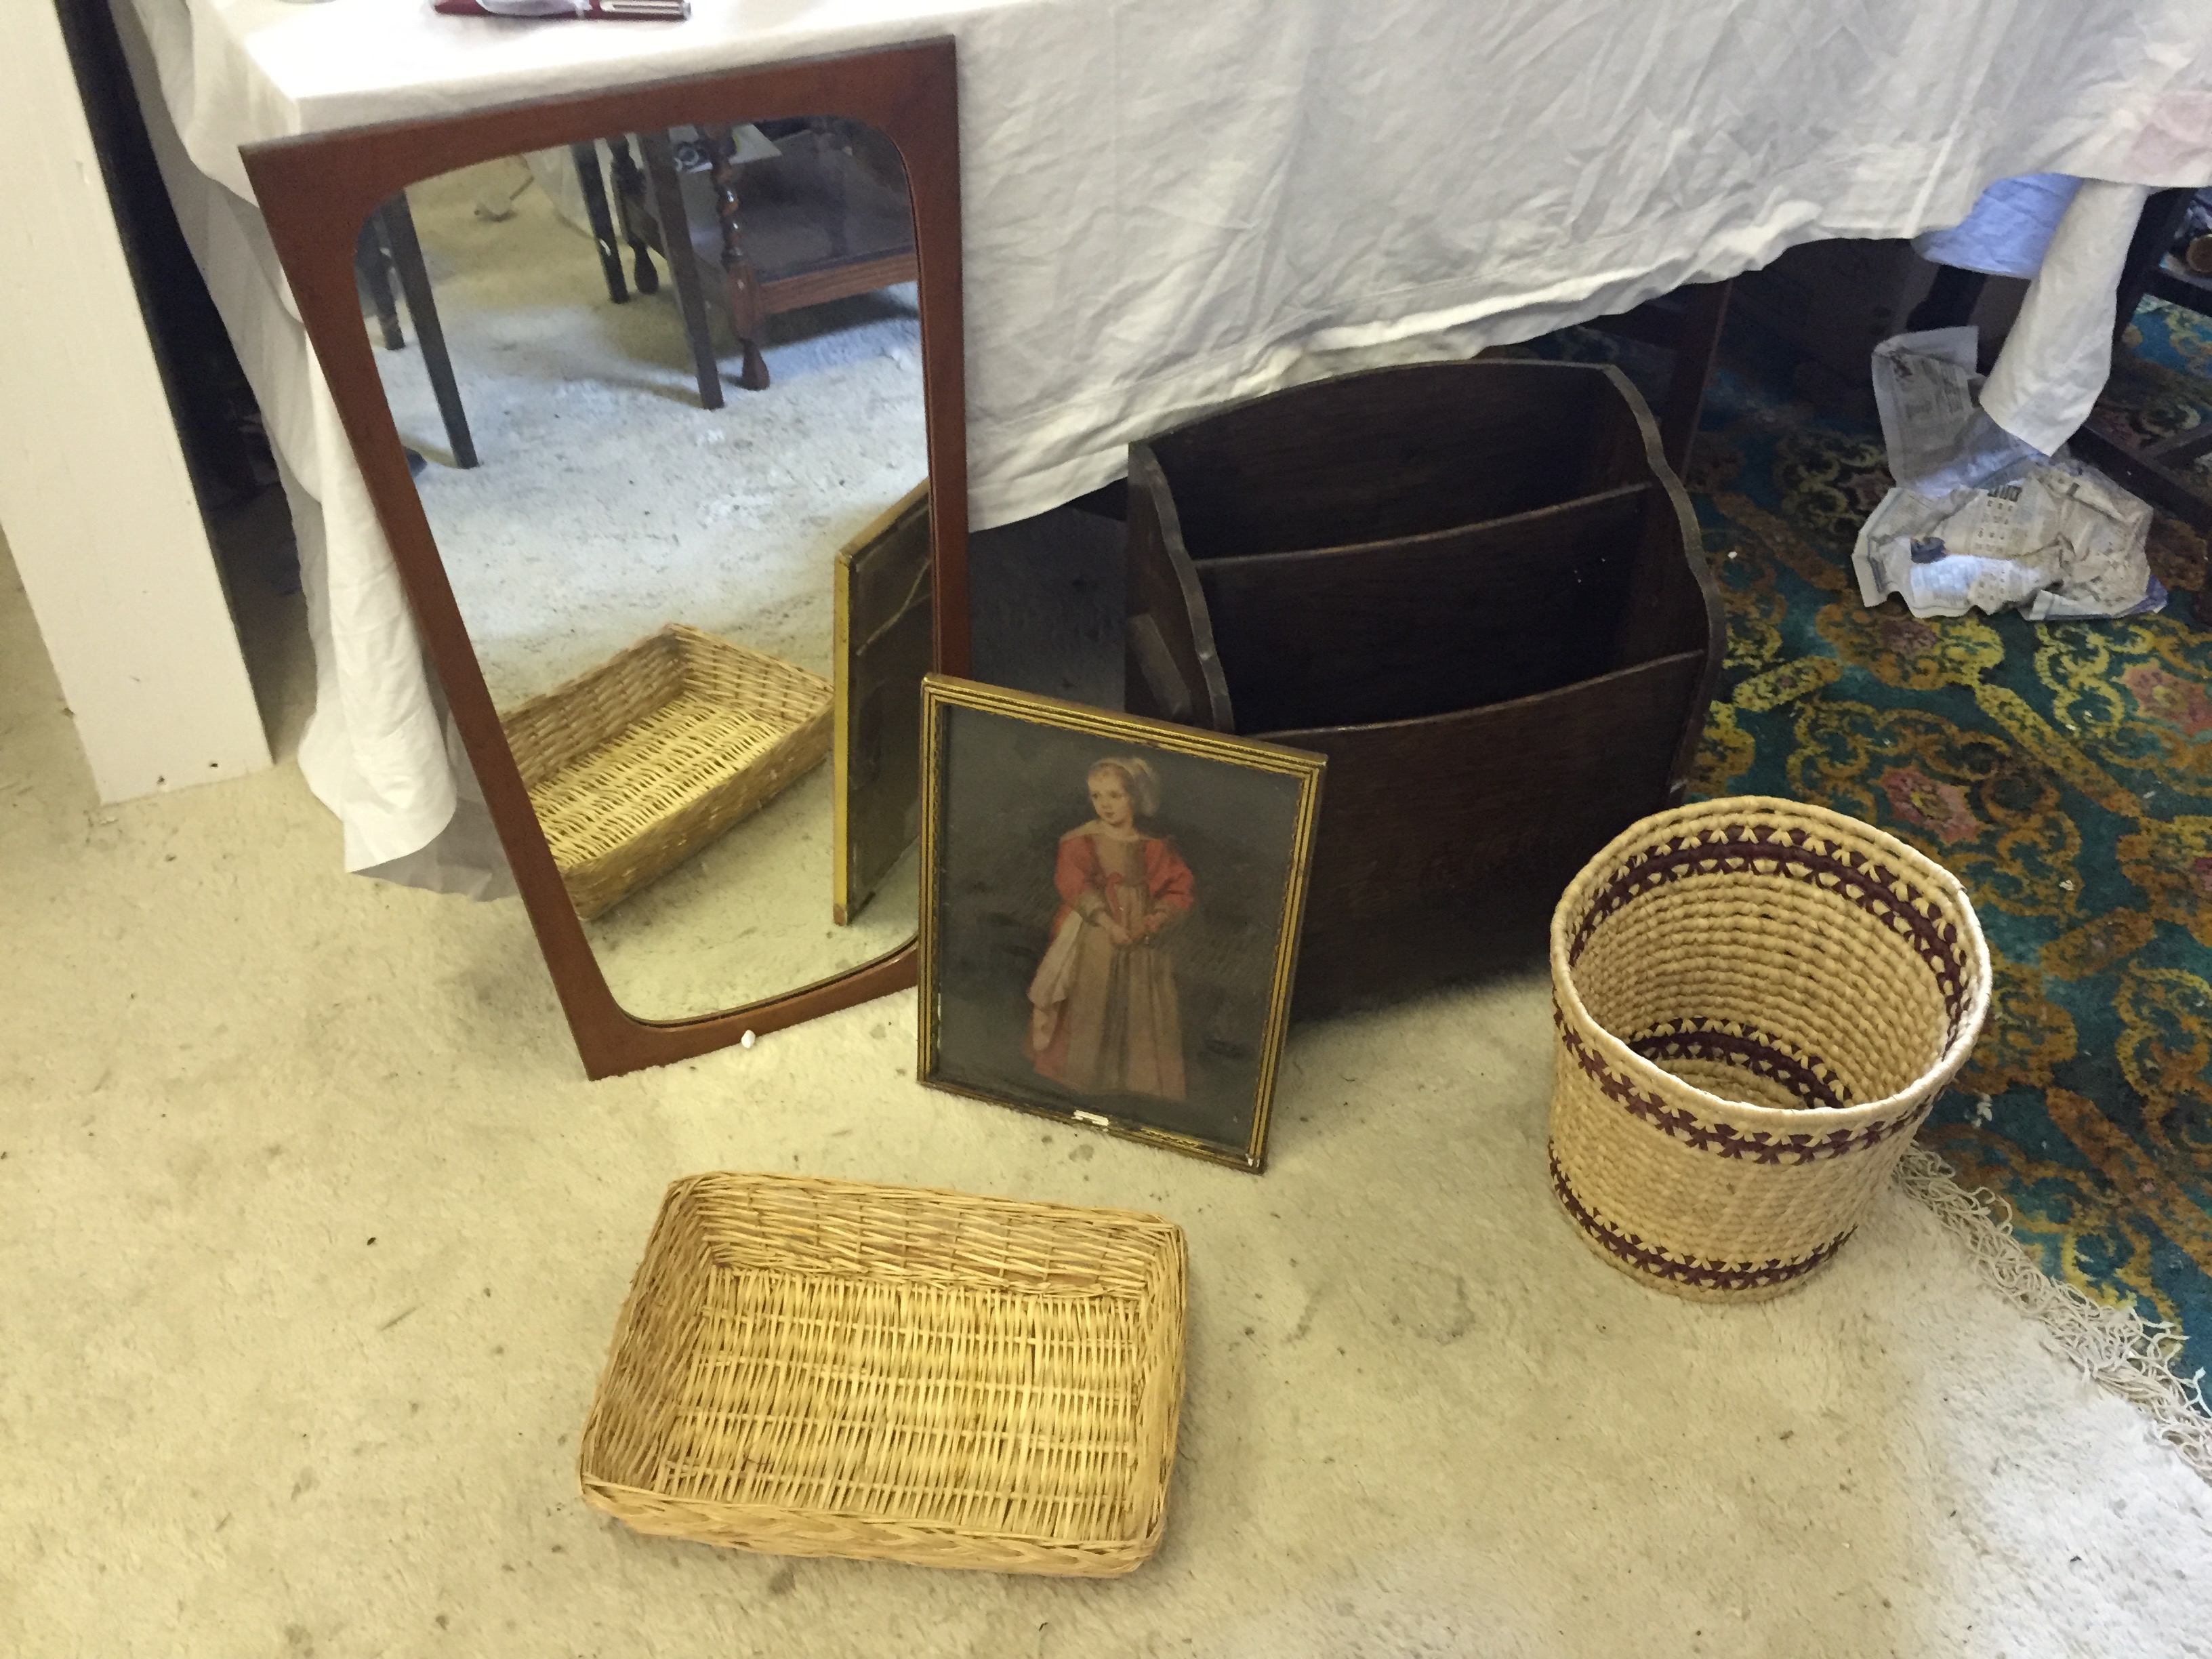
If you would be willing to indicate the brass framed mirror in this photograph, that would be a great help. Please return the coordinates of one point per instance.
(677, 352)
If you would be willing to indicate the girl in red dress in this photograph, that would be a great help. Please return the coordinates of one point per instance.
(1104, 1017)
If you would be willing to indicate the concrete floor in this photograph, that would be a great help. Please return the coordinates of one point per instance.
(312, 1237)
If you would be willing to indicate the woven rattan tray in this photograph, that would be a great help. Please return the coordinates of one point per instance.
(827, 1368)
(636, 764)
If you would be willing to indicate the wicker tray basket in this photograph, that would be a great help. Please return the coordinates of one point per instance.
(1757, 1002)
(814, 1367)
(636, 764)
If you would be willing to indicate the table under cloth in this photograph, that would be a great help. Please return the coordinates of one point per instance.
(1168, 205)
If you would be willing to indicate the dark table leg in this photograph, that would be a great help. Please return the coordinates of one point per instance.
(1697, 339)
(683, 263)
(370, 259)
(415, 282)
(740, 281)
(629, 188)
(2160, 224)
(586, 158)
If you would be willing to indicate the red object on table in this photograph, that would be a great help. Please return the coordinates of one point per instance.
(666, 11)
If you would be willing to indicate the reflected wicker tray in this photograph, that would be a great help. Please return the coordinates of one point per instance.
(636, 764)
(811, 1367)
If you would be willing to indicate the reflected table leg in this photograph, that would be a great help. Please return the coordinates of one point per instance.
(594, 185)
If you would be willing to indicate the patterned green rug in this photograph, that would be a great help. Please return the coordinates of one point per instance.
(2064, 772)
(2163, 383)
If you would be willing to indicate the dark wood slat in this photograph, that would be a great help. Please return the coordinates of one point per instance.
(802, 288)
(2182, 446)
(2167, 487)
(1427, 625)
(1444, 842)
(1163, 586)
(1371, 457)
(2184, 288)
(1445, 839)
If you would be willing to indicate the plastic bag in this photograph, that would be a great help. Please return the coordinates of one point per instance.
(1979, 520)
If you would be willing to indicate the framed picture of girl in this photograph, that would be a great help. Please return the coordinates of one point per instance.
(1110, 909)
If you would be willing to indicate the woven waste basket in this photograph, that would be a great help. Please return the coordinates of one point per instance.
(1757, 1002)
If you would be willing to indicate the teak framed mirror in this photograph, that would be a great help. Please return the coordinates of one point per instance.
(621, 517)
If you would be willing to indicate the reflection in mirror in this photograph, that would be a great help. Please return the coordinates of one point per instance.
(644, 477)
(885, 640)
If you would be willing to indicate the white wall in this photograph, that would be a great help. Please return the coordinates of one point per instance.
(95, 498)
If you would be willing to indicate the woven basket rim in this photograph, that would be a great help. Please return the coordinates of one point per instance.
(736, 1514)
(840, 1184)
(676, 633)
(1648, 1074)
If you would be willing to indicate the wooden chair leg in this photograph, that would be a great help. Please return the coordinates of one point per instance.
(593, 182)
(1697, 339)
(753, 374)
(739, 280)
(373, 263)
(399, 222)
(683, 263)
(629, 187)
(2160, 224)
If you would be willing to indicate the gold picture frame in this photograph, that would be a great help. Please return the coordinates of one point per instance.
(1132, 973)
(884, 632)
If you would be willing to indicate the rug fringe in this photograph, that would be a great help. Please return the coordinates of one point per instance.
(2116, 1348)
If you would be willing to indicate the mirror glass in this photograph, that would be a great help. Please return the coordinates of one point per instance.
(662, 395)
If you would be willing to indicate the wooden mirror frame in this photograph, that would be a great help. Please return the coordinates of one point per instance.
(315, 190)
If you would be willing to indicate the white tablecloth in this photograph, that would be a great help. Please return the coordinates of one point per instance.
(1169, 204)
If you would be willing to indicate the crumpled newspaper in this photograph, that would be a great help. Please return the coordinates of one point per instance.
(1980, 521)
